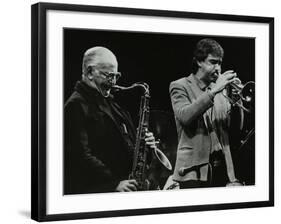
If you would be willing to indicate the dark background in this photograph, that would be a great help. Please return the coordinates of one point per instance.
(158, 59)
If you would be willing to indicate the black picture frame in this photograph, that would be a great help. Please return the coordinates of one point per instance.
(39, 109)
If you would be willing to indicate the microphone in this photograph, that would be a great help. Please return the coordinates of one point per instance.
(184, 170)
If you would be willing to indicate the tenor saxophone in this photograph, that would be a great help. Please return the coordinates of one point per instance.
(141, 164)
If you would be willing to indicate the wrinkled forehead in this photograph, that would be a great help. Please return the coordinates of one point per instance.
(105, 61)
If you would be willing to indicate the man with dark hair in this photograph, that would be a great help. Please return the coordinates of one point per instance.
(99, 135)
(202, 119)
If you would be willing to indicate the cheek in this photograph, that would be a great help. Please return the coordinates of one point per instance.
(208, 68)
(98, 81)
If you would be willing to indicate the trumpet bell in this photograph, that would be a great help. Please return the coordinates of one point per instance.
(248, 92)
(243, 96)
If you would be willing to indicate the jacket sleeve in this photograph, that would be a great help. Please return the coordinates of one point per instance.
(78, 156)
(184, 108)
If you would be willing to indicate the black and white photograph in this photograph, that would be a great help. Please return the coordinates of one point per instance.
(157, 111)
(141, 112)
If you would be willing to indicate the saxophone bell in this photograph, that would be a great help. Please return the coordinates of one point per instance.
(162, 158)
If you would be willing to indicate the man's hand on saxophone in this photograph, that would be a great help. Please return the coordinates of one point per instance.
(132, 185)
(150, 140)
(127, 186)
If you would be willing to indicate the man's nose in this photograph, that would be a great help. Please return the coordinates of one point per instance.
(113, 80)
(218, 67)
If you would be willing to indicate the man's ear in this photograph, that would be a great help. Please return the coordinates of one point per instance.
(89, 73)
(199, 63)
(90, 76)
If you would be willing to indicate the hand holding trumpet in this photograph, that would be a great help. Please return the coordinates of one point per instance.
(223, 80)
(240, 93)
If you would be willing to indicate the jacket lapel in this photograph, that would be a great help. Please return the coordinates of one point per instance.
(106, 110)
(196, 92)
(94, 97)
(196, 88)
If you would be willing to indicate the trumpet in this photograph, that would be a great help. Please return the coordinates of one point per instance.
(241, 94)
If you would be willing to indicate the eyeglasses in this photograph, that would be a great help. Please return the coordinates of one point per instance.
(109, 75)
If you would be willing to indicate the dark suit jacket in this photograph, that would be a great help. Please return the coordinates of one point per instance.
(190, 101)
(97, 153)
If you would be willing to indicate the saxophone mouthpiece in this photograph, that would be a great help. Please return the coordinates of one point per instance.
(117, 88)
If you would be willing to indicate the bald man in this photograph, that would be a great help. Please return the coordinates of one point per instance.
(99, 135)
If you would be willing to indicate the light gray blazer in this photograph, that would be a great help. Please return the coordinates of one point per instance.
(190, 101)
